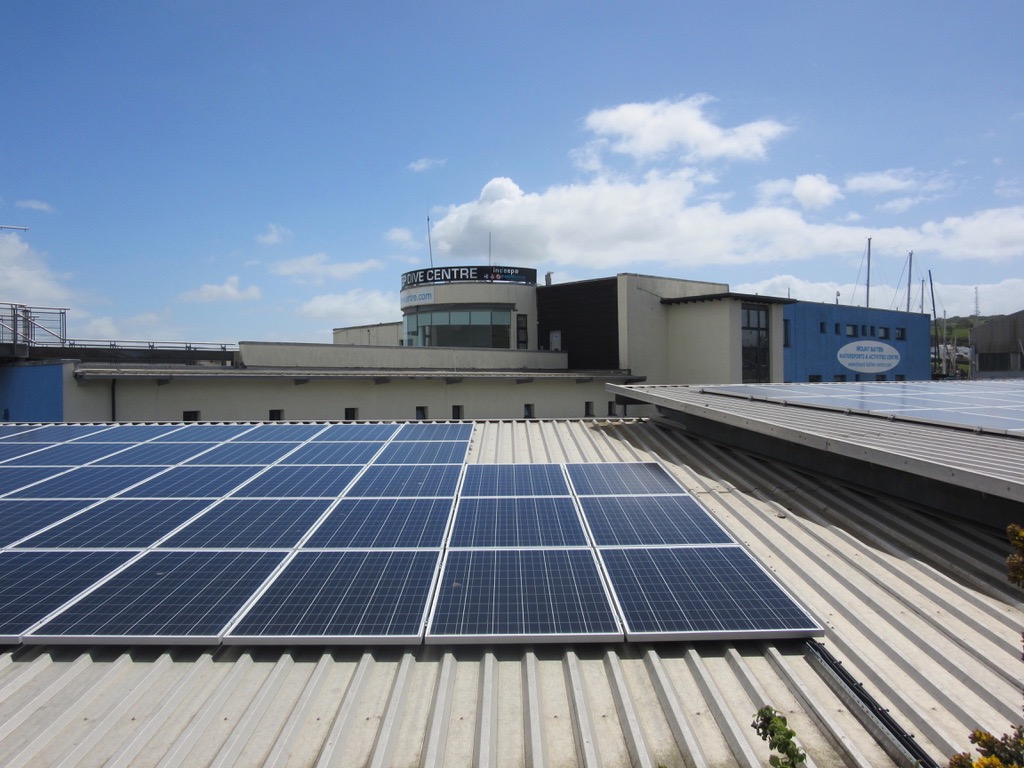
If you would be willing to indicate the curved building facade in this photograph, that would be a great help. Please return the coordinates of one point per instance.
(475, 306)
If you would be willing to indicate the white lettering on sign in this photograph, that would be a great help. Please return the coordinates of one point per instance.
(868, 356)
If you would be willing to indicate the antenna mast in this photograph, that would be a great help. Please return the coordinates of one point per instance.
(910, 271)
(430, 246)
(868, 299)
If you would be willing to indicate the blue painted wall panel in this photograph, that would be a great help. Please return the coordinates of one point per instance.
(32, 392)
(832, 342)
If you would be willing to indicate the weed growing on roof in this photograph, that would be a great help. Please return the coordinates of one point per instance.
(772, 727)
(1006, 751)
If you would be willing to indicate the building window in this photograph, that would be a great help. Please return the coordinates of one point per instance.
(754, 333)
(821, 326)
(863, 330)
(851, 329)
(351, 414)
(883, 332)
(814, 377)
(276, 414)
(611, 408)
(483, 328)
(901, 334)
(588, 408)
(421, 412)
(839, 377)
(527, 410)
(522, 333)
(879, 377)
(457, 412)
(190, 415)
(837, 329)
(785, 333)
(900, 377)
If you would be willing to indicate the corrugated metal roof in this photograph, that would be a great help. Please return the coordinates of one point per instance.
(916, 608)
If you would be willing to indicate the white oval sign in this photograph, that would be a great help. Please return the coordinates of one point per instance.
(868, 356)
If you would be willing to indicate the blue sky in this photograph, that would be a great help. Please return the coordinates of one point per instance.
(265, 170)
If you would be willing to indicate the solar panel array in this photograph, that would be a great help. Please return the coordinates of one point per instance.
(355, 533)
(990, 405)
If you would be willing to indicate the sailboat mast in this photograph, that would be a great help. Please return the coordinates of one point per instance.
(910, 271)
(869, 274)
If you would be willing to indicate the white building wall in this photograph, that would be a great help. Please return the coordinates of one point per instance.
(244, 399)
(284, 355)
(704, 346)
(379, 335)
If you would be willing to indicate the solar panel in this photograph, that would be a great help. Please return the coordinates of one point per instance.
(372, 596)
(190, 482)
(22, 518)
(537, 595)
(65, 454)
(154, 454)
(517, 522)
(439, 431)
(164, 596)
(318, 481)
(684, 593)
(333, 453)
(204, 433)
(619, 479)
(423, 452)
(243, 453)
(384, 523)
(407, 480)
(514, 480)
(281, 432)
(638, 520)
(35, 584)
(131, 433)
(341, 433)
(251, 523)
(79, 482)
(119, 524)
(59, 433)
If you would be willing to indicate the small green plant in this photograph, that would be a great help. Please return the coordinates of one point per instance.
(773, 728)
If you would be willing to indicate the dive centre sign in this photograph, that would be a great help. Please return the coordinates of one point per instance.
(868, 356)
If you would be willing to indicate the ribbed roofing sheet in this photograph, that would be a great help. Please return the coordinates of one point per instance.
(917, 609)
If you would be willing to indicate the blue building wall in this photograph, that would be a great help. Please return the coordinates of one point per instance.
(32, 392)
(832, 342)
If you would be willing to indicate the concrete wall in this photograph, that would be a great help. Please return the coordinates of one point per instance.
(704, 346)
(219, 399)
(646, 340)
(379, 335)
(32, 392)
(284, 355)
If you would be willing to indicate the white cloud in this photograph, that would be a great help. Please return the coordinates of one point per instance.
(25, 277)
(355, 307)
(275, 235)
(148, 326)
(34, 205)
(811, 191)
(882, 182)
(402, 237)
(230, 290)
(649, 130)
(1000, 298)
(426, 164)
(317, 267)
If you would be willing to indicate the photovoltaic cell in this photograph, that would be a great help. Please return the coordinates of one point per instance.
(132, 433)
(22, 518)
(650, 520)
(407, 480)
(384, 523)
(517, 522)
(66, 454)
(81, 482)
(59, 433)
(514, 480)
(251, 523)
(620, 479)
(333, 453)
(34, 584)
(507, 594)
(309, 481)
(192, 482)
(357, 596)
(119, 524)
(187, 597)
(700, 592)
(204, 433)
(286, 433)
(438, 431)
(424, 452)
(155, 454)
(239, 453)
(341, 433)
